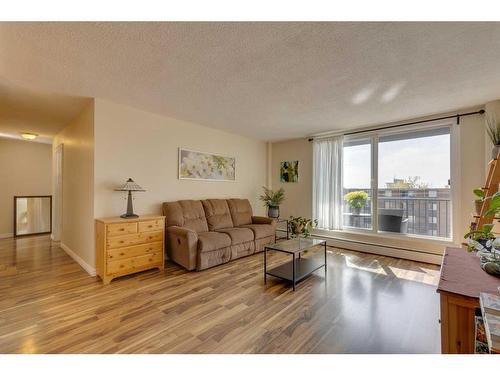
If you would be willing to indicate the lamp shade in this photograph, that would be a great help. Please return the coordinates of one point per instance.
(130, 185)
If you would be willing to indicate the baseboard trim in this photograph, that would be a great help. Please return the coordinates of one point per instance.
(87, 267)
(382, 250)
(6, 235)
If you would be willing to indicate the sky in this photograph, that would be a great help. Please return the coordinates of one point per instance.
(427, 157)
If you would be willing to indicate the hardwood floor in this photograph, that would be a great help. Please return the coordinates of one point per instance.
(368, 304)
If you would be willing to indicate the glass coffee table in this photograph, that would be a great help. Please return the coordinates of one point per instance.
(299, 267)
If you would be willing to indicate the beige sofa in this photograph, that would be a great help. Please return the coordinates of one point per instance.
(206, 233)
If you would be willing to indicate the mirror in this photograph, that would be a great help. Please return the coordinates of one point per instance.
(32, 215)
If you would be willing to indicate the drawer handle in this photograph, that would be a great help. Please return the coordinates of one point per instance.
(122, 229)
(121, 265)
(122, 253)
(150, 248)
(150, 226)
(121, 241)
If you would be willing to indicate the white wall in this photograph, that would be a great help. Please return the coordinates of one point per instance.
(471, 175)
(144, 146)
(25, 169)
(77, 235)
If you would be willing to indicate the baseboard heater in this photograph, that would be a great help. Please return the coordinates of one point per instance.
(385, 250)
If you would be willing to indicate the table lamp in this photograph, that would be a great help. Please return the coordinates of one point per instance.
(129, 186)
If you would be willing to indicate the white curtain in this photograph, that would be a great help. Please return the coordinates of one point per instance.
(327, 182)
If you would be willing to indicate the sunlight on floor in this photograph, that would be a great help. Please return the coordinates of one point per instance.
(373, 267)
(417, 272)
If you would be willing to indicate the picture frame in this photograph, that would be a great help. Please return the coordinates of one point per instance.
(205, 166)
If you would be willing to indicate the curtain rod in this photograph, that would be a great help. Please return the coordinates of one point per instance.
(457, 116)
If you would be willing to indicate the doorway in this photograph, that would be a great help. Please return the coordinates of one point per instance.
(58, 192)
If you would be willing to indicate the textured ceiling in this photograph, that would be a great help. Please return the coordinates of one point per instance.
(264, 80)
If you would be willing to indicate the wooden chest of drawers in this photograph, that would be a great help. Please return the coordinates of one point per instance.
(125, 246)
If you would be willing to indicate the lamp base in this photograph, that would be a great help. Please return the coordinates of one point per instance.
(127, 216)
(130, 210)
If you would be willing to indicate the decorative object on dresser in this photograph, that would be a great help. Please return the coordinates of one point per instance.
(460, 283)
(129, 186)
(272, 200)
(125, 246)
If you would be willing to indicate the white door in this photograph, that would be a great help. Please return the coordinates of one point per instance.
(58, 190)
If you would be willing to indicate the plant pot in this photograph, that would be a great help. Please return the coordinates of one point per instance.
(484, 242)
(494, 152)
(356, 210)
(273, 212)
(478, 205)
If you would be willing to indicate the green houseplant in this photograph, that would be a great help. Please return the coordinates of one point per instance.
(493, 130)
(479, 239)
(356, 200)
(478, 203)
(483, 240)
(301, 226)
(272, 200)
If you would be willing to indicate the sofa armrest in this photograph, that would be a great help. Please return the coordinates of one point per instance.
(263, 220)
(182, 246)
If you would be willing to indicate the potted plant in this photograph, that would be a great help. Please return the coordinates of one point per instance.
(479, 240)
(300, 226)
(272, 200)
(486, 244)
(493, 130)
(356, 200)
(478, 203)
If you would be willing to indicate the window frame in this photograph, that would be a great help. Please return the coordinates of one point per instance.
(454, 177)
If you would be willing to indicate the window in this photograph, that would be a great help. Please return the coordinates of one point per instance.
(402, 179)
(357, 177)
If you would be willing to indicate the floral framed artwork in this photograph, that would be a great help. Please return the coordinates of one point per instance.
(289, 171)
(198, 165)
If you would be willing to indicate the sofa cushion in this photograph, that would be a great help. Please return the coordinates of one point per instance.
(260, 230)
(210, 241)
(242, 249)
(238, 235)
(217, 214)
(241, 211)
(186, 213)
(209, 259)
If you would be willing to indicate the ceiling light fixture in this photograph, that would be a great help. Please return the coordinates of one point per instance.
(29, 136)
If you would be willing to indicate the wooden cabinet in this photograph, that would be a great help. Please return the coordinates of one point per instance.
(460, 283)
(125, 246)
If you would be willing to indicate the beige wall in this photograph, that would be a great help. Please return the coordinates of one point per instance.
(77, 235)
(144, 146)
(471, 175)
(298, 196)
(25, 169)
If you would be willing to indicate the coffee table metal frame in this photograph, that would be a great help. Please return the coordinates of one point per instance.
(297, 269)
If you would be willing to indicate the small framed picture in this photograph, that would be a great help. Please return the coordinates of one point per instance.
(289, 171)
